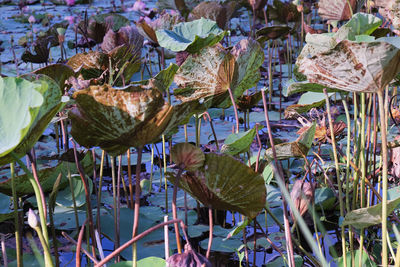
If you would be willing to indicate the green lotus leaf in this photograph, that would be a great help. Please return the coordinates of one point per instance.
(47, 178)
(225, 183)
(239, 143)
(165, 21)
(351, 66)
(301, 87)
(163, 80)
(365, 217)
(297, 149)
(359, 24)
(58, 72)
(190, 36)
(206, 77)
(116, 119)
(20, 102)
(47, 94)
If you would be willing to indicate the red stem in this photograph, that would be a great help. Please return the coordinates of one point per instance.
(210, 238)
(137, 192)
(90, 256)
(174, 211)
(79, 244)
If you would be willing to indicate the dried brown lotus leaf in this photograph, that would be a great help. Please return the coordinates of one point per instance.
(355, 67)
(336, 9)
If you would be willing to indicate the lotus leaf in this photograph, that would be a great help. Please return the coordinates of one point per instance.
(220, 13)
(272, 33)
(351, 66)
(336, 9)
(127, 35)
(58, 72)
(239, 143)
(190, 36)
(365, 217)
(283, 12)
(225, 183)
(42, 51)
(297, 149)
(25, 122)
(359, 24)
(207, 76)
(183, 6)
(116, 119)
(90, 65)
(47, 177)
(20, 101)
(165, 21)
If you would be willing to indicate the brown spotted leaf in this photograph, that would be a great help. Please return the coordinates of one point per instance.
(206, 76)
(116, 119)
(354, 67)
(227, 184)
(221, 13)
(127, 35)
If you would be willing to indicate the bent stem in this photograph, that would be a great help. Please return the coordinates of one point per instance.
(234, 108)
(137, 203)
(210, 238)
(384, 177)
(114, 189)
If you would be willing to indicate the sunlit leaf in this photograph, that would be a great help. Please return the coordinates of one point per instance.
(336, 9)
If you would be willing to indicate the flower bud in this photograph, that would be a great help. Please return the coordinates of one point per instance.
(33, 220)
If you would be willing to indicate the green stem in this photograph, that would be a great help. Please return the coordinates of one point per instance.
(46, 250)
(339, 182)
(18, 238)
(384, 177)
(363, 170)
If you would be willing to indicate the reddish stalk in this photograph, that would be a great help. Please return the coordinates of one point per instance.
(137, 200)
(134, 240)
(212, 128)
(210, 237)
(79, 245)
(90, 256)
(87, 196)
(280, 171)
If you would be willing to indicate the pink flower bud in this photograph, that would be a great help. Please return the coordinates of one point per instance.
(70, 19)
(70, 2)
(33, 220)
(31, 19)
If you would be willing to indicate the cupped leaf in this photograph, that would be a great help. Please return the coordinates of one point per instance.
(190, 36)
(51, 104)
(365, 217)
(227, 184)
(187, 156)
(206, 77)
(116, 119)
(359, 24)
(297, 149)
(354, 67)
(90, 65)
(20, 102)
(127, 35)
(239, 143)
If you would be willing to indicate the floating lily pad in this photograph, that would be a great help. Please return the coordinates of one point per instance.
(190, 36)
(65, 198)
(221, 245)
(227, 184)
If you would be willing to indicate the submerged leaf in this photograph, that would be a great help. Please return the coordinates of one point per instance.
(227, 184)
